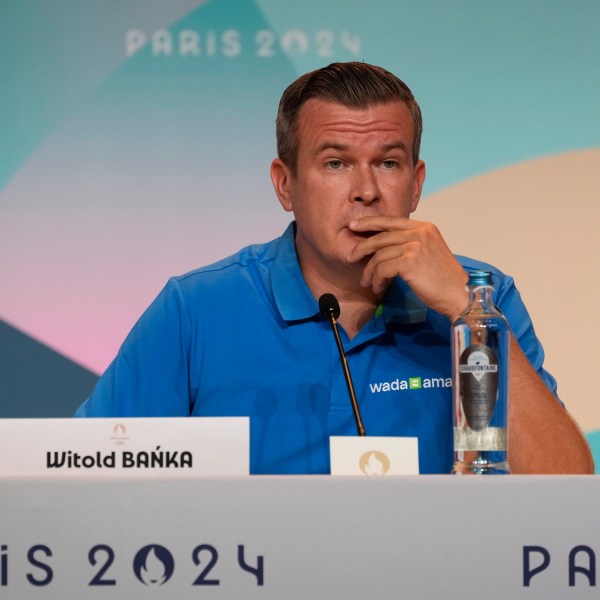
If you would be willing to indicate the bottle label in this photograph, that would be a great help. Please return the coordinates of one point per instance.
(478, 376)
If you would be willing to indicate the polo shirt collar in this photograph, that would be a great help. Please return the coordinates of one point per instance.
(295, 301)
(401, 305)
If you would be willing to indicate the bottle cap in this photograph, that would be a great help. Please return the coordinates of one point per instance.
(480, 278)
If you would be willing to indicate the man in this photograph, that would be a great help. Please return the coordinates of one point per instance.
(244, 336)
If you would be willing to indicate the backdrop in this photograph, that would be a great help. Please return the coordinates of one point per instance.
(136, 138)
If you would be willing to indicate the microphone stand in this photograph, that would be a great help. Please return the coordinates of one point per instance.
(330, 308)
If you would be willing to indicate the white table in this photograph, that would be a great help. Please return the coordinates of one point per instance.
(425, 537)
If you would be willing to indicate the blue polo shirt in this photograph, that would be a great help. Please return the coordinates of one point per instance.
(243, 337)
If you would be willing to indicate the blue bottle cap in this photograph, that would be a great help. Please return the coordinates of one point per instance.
(480, 278)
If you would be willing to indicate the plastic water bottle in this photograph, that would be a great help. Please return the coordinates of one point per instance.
(480, 346)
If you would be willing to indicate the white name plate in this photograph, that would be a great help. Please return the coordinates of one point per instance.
(354, 455)
(125, 447)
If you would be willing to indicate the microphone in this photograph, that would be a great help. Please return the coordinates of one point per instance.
(330, 311)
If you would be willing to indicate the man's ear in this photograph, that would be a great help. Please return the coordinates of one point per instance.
(420, 173)
(281, 178)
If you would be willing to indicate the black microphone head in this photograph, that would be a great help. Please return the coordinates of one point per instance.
(329, 307)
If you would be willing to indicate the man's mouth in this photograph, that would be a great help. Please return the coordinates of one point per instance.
(365, 234)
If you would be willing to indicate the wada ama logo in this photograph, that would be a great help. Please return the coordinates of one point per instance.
(153, 565)
(411, 383)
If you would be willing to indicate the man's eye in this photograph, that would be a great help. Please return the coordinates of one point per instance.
(334, 164)
(389, 164)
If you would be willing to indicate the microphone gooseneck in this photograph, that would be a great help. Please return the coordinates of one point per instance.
(330, 311)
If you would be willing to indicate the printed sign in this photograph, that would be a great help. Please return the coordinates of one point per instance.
(353, 455)
(182, 447)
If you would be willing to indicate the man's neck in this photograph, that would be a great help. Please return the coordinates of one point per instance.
(357, 304)
(355, 313)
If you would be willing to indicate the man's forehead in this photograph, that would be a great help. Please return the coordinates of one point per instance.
(324, 121)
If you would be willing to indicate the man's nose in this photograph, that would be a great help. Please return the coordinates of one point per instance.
(365, 188)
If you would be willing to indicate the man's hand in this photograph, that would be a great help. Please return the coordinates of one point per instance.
(416, 252)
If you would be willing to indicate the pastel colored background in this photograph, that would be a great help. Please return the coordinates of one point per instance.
(136, 137)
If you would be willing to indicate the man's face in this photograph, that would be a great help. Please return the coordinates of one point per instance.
(351, 163)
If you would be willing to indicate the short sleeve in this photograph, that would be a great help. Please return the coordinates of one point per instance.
(149, 376)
